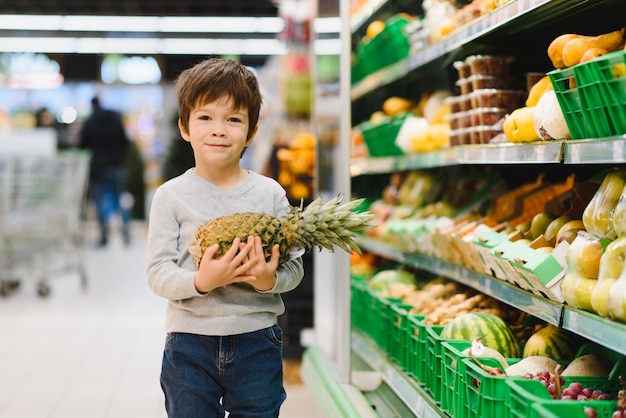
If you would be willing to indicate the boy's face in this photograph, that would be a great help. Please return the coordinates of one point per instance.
(218, 134)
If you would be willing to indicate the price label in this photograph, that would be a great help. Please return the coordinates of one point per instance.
(618, 151)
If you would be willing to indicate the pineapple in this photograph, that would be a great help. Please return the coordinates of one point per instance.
(320, 225)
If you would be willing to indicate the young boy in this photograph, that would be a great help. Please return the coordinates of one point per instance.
(223, 350)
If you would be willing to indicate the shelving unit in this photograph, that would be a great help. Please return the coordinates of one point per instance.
(527, 25)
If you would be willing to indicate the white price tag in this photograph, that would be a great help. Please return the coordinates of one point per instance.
(618, 151)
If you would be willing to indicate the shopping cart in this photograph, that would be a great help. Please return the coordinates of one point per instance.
(42, 202)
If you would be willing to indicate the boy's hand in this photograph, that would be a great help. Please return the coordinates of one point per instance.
(233, 267)
(265, 272)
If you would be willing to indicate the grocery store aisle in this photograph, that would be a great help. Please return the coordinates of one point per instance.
(95, 353)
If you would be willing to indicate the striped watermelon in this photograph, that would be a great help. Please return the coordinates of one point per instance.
(553, 342)
(495, 333)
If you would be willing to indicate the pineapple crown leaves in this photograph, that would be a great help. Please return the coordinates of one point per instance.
(324, 224)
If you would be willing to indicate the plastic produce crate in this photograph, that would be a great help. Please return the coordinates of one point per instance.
(385, 323)
(592, 96)
(571, 410)
(381, 138)
(481, 394)
(399, 350)
(434, 360)
(452, 370)
(527, 399)
(424, 336)
(359, 303)
(415, 369)
(525, 394)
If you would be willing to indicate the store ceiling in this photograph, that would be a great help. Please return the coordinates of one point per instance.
(142, 7)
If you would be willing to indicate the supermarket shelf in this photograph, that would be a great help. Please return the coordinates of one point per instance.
(534, 12)
(609, 333)
(596, 151)
(591, 326)
(544, 309)
(508, 153)
(407, 389)
(605, 151)
(335, 398)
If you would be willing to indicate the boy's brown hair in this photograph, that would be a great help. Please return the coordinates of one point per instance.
(213, 79)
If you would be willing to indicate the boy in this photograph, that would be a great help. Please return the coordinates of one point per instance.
(223, 350)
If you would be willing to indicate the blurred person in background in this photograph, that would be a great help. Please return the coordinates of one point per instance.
(104, 135)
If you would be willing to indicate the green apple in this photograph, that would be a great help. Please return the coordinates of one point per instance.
(540, 223)
(554, 227)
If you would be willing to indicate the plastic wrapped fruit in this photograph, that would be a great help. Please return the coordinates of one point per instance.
(598, 215)
(583, 262)
(619, 216)
(611, 268)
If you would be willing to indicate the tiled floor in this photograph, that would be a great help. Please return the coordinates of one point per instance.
(94, 353)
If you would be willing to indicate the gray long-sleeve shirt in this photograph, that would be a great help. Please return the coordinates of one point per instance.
(179, 207)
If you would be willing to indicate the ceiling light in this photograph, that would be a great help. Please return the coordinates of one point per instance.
(167, 46)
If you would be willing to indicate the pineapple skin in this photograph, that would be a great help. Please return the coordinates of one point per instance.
(224, 229)
(319, 225)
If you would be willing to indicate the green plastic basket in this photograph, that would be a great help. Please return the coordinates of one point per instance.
(381, 138)
(527, 396)
(399, 349)
(415, 348)
(385, 324)
(569, 99)
(433, 335)
(592, 96)
(571, 410)
(452, 369)
(481, 394)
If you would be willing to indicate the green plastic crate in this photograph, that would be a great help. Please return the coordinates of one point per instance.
(381, 138)
(423, 336)
(570, 101)
(592, 97)
(527, 395)
(571, 410)
(523, 394)
(481, 394)
(452, 370)
(399, 350)
(433, 335)
(385, 323)
(415, 348)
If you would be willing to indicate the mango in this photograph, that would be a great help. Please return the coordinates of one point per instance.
(593, 53)
(574, 50)
(555, 49)
(537, 90)
(394, 106)
(519, 126)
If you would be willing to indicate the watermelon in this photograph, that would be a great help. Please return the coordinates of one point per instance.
(494, 332)
(553, 342)
(382, 280)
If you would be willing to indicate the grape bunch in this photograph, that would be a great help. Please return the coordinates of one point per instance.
(575, 390)
(620, 412)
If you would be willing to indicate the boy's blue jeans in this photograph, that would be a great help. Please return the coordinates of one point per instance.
(203, 376)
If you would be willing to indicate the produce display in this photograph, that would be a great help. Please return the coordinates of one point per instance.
(563, 241)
